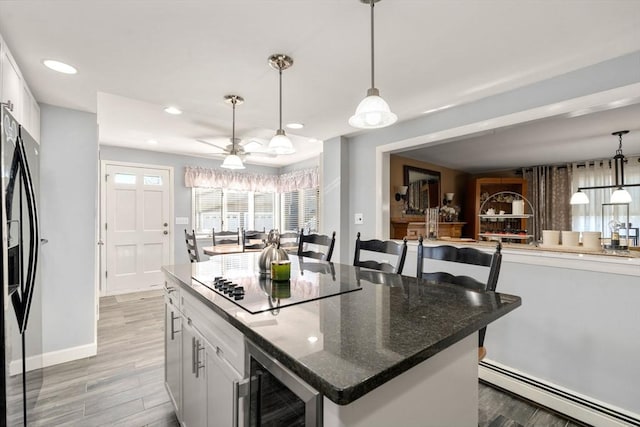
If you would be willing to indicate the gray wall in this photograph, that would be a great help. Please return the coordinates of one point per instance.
(361, 173)
(335, 196)
(181, 194)
(314, 162)
(68, 205)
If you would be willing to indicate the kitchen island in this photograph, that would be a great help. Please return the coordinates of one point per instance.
(389, 349)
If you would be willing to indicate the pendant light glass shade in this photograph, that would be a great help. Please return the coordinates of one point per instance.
(579, 198)
(620, 196)
(280, 143)
(232, 161)
(372, 112)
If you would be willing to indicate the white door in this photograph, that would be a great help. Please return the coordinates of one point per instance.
(138, 227)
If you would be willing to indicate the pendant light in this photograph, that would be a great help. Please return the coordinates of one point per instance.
(233, 161)
(620, 194)
(280, 143)
(373, 111)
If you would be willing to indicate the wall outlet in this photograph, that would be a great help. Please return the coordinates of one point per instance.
(359, 218)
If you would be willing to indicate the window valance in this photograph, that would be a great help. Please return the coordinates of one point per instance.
(232, 180)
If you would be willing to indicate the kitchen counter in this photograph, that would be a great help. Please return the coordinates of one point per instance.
(347, 345)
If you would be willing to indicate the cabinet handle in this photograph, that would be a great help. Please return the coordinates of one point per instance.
(173, 330)
(193, 355)
(240, 390)
(199, 364)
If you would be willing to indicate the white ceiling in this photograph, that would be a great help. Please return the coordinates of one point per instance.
(555, 140)
(134, 57)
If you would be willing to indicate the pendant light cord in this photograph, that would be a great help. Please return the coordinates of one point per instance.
(280, 97)
(233, 126)
(372, 49)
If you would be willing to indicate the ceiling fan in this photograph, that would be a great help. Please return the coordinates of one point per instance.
(253, 145)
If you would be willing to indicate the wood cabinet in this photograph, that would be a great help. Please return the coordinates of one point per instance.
(482, 188)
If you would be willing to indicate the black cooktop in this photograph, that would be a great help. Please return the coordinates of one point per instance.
(257, 294)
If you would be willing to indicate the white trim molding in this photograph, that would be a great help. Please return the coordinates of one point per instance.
(54, 358)
(558, 398)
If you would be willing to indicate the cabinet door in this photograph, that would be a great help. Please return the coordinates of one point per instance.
(173, 355)
(194, 381)
(222, 379)
(11, 85)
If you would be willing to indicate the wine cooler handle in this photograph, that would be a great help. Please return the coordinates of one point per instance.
(240, 390)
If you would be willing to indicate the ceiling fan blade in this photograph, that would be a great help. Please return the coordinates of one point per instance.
(219, 144)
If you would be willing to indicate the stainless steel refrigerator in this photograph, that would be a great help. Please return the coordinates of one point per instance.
(21, 312)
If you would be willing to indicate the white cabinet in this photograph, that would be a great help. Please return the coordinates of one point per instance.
(194, 385)
(173, 352)
(11, 90)
(204, 362)
(222, 383)
(14, 89)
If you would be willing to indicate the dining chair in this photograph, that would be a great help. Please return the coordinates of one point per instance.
(465, 255)
(225, 237)
(382, 247)
(192, 245)
(254, 240)
(288, 241)
(318, 240)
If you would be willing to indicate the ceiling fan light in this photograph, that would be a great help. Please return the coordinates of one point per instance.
(620, 196)
(579, 198)
(280, 144)
(232, 161)
(373, 112)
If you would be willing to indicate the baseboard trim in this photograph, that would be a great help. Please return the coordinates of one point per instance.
(54, 358)
(577, 406)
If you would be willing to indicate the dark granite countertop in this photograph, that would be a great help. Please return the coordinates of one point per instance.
(347, 345)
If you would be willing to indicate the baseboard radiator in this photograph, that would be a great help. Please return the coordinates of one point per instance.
(564, 401)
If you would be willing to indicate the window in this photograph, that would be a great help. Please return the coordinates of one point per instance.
(299, 209)
(263, 211)
(229, 210)
(236, 210)
(207, 209)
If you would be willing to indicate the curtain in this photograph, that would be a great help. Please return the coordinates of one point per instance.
(549, 191)
(231, 180)
(589, 217)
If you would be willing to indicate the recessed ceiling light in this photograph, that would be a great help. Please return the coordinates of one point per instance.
(152, 142)
(312, 339)
(173, 110)
(60, 67)
(314, 140)
(294, 125)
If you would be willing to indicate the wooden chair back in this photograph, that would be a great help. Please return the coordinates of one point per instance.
(464, 255)
(316, 239)
(288, 240)
(254, 240)
(385, 247)
(192, 245)
(225, 237)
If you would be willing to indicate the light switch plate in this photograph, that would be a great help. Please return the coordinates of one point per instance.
(182, 220)
(359, 218)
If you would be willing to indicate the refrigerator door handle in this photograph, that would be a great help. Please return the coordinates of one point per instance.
(24, 303)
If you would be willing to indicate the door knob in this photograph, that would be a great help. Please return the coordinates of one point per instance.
(165, 232)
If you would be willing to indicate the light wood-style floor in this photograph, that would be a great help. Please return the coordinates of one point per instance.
(123, 384)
